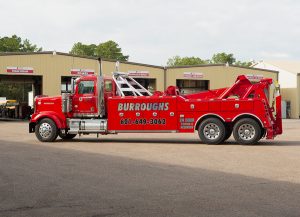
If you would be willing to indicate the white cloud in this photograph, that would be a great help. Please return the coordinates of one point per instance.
(274, 55)
(151, 31)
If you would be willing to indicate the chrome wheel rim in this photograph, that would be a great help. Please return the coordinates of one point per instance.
(246, 132)
(45, 130)
(211, 131)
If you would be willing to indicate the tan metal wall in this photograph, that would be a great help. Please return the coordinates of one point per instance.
(298, 96)
(50, 67)
(292, 95)
(218, 76)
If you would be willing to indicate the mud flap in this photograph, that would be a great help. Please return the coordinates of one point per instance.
(32, 127)
(278, 116)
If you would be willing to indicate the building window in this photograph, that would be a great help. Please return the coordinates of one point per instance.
(66, 84)
(191, 86)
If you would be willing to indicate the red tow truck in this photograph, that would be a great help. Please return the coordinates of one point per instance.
(101, 105)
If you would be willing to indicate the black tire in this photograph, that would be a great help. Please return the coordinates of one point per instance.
(46, 130)
(263, 133)
(212, 131)
(247, 131)
(66, 136)
(228, 133)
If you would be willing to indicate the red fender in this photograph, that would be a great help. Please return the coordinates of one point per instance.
(59, 120)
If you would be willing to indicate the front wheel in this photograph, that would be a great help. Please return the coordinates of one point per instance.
(46, 130)
(247, 131)
(212, 131)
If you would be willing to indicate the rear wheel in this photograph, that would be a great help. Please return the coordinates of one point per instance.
(263, 133)
(212, 131)
(66, 136)
(228, 133)
(46, 130)
(247, 131)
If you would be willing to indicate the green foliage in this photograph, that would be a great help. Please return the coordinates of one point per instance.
(109, 50)
(185, 61)
(16, 44)
(218, 58)
(83, 49)
(244, 64)
(222, 58)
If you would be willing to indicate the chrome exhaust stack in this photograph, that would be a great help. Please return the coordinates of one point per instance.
(100, 91)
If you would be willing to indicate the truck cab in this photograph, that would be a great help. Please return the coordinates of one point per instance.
(85, 95)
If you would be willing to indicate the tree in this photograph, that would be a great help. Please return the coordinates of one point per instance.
(244, 64)
(28, 47)
(185, 61)
(109, 50)
(16, 44)
(218, 58)
(83, 49)
(223, 58)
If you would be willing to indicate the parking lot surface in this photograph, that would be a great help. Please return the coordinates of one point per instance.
(148, 175)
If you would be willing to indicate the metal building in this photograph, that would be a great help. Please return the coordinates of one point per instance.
(49, 73)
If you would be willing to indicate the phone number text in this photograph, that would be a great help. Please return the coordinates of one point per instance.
(143, 121)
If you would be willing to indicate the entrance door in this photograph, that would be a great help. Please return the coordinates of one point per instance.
(148, 83)
(188, 86)
(21, 89)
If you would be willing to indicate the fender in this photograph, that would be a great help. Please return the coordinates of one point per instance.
(59, 120)
(208, 114)
(249, 114)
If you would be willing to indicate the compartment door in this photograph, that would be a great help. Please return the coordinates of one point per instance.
(151, 114)
(169, 113)
(122, 114)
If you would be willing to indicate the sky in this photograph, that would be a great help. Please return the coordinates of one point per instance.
(151, 31)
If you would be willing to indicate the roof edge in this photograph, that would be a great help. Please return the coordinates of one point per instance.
(191, 66)
(211, 65)
(128, 62)
(79, 56)
(252, 68)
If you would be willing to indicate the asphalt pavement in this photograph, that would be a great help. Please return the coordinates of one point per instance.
(147, 175)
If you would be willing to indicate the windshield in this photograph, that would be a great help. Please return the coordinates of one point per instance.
(86, 87)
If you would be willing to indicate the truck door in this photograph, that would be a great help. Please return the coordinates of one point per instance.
(168, 115)
(85, 100)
